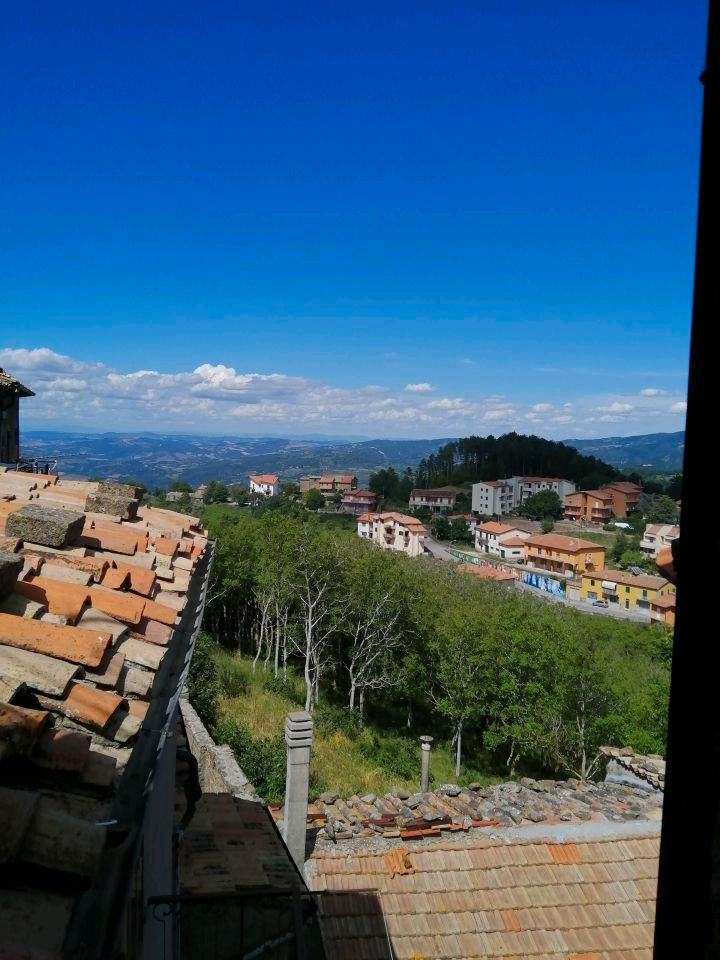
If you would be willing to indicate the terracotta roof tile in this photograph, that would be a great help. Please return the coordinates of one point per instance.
(115, 579)
(68, 643)
(63, 599)
(166, 546)
(153, 631)
(116, 541)
(88, 706)
(141, 581)
(19, 729)
(160, 613)
(127, 607)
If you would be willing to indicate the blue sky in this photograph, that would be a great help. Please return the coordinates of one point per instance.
(246, 217)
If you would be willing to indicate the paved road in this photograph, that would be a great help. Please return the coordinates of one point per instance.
(438, 551)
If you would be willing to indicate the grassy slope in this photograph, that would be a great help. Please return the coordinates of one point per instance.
(338, 761)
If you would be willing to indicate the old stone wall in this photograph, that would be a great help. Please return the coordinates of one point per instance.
(218, 769)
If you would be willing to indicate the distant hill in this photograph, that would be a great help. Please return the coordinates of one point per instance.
(660, 451)
(158, 459)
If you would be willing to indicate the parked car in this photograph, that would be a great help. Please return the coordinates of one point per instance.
(600, 603)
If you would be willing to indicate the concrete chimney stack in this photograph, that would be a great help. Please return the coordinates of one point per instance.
(298, 737)
(425, 743)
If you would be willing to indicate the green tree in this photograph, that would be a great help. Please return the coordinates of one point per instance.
(215, 492)
(548, 525)
(314, 500)
(336, 498)
(289, 490)
(663, 510)
(460, 531)
(181, 486)
(440, 527)
(673, 488)
(384, 483)
(203, 683)
(546, 503)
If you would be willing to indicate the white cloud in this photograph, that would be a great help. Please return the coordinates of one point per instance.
(213, 397)
(616, 407)
(419, 387)
(653, 392)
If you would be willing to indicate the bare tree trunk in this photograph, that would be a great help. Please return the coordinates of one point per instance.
(268, 647)
(458, 754)
(277, 642)
(352, 695)
(362, 703)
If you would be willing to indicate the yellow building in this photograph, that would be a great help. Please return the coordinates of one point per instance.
(564, 555)
(625, 589)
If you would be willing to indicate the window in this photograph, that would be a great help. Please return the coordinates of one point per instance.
(627, 589)
(592, 583)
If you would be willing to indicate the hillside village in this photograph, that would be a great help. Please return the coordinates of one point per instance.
(102, 599)
(496, 540)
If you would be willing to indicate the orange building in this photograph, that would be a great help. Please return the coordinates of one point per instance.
(601, 505)
(564, 555)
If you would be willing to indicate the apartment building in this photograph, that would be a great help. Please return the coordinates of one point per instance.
(592, 506)
(567, 556)
(601, 505)
(266, 484)
(393, 531)
(624, 589)
(437, 499)
(500, 539)
(657, 536)
(494, 498)
(329, 483)
(359, 501)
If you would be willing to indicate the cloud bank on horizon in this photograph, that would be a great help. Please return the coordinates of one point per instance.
(213, 398)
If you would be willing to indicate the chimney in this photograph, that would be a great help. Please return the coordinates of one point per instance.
(298, 737)
(425, 743)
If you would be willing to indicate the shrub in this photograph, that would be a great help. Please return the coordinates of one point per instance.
(263, 760)
(330, 718)
(288, 690)
(203, 681)
(397, 755)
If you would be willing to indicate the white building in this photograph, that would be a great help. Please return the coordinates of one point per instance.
(494, 498)
(266, 484)
(657, 536)
(393, 531)
(440, 498)
(500, 539)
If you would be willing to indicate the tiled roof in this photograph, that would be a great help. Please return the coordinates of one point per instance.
(665, 602)
(513, 541)
(643, 580)
(264, 477)
(367, 517)
(624, 486)
(93, 635)
(557, 542)
(492, 526)
(412, 523)
(547, 897)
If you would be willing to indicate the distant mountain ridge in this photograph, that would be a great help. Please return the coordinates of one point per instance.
(660, 451)
(159, 459)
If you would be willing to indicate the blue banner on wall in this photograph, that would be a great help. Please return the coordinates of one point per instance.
(541, 582)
